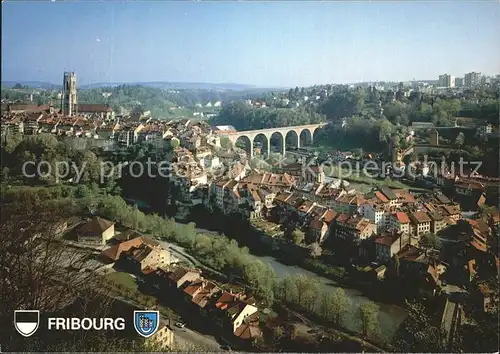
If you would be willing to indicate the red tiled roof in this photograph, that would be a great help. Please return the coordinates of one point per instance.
(402, 217)
(388, 240)
(114, 252)
(382, 197)
(193, 287)
(420, 217)
(344, 217)
(330, 216)
(316, 224)
(248, 331)
(225, 300)
(93, 108)
(96, 225)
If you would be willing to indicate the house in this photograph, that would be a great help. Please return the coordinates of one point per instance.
(249, 329)
(95, 110)
(113, 253)
(420, 223)
(349, 203)
(438, 222)
(373, 212)
(380, 272)
(452, 211)
(485, 129)
(486, 296)
(354, 228)
(146, 256)
(400, 222)
(162, 339)
(180, 276)
(203, 297)
(305, 208)
(96, 230)
(387, 245)
(468, 189)
(480, 234)
(236, 309)
(390, 195)
(318, 230)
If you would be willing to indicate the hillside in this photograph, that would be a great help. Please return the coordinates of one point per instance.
(164, 85)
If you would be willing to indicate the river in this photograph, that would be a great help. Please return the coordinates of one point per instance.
(390, 316)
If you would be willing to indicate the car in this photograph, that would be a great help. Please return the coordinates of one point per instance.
(180, 325)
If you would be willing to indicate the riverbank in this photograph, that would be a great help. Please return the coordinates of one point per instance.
(288, 259)
(261, 244)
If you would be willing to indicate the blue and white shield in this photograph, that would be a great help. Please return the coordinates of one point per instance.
(146, 322)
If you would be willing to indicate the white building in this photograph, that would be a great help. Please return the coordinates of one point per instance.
(446, 80)
(472, 79)
(374, 213)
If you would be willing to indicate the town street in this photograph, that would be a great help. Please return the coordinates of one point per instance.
(186, 339)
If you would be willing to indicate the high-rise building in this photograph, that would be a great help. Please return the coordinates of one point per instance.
(69, 99)
(472, 79)
(459, 81)
(446, 81)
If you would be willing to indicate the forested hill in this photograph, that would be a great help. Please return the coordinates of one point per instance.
(177, 86)
(243, 117)
(162, 103)
(360, 116)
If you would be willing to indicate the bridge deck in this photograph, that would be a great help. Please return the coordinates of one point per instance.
(268, 130)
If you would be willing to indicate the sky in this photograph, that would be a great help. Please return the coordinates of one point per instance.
(266, 44)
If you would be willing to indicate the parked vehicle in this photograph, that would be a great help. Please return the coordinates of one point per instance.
(180, 325)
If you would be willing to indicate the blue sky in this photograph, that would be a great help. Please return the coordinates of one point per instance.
(266, 44)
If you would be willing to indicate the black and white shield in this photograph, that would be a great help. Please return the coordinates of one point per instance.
(26, 321)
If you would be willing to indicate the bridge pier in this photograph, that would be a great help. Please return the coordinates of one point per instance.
(250, 135)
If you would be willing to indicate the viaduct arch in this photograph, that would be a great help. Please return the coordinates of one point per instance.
(293, 135)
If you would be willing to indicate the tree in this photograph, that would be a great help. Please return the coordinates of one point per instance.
(297, 236)
(431, 240)
(396, 265)
(368, 313)
(340, 306)
(287, 290)
(261, 278)
(39, 272)
(307, 291)
(278, 335)
(225, 142)
(315, 250)
(175, 143)
(459, 140)
(418, 332)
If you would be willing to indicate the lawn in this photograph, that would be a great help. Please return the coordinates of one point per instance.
(123, 279)
(266, 226)
(126, 286)
(361, 177)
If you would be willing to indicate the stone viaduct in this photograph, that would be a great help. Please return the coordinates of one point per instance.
(306, 132)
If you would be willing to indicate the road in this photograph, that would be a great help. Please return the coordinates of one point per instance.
(185, 338)
(189, 340)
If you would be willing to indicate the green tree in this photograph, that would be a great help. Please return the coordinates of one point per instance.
(431, 240)
(368, 313)
(297, 236)
(287, 290)
(315, 250)
(307, 291)
(418, 333)
(262, 279)
(175, 143)
(459, 140)
(225, 142)
(340, 306)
